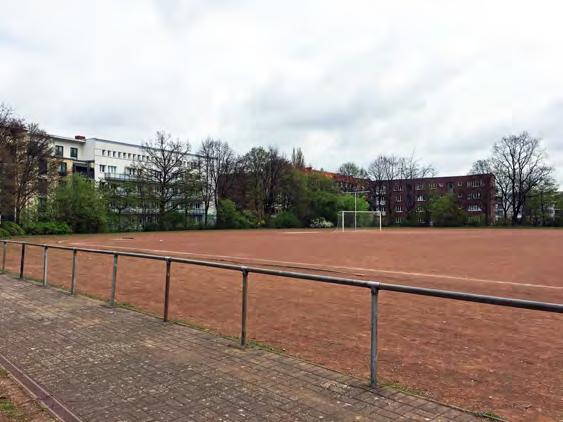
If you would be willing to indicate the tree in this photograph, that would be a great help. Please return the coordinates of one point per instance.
(541, 203)
(445, 212)
(78, 203)
(120, 198)
(297, 158)
(481, 167)
(220, 167)
(228, 217)
(26, 163)
(383, 171)
(265, 170)
(163, 173)
(353, 170)
(519, 165)
(410, 169)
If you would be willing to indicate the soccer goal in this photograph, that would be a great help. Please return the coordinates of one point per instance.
(353, 220)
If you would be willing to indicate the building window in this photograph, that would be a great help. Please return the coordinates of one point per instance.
(433, 185)
(102, 168)
(459, 196)
(62, 169)
(441, 185)
(399, 198)
(420, 186)
(474, 195)
(397, 188)
(420, 198)
(419, 209)
(119, 155)
(129, 155)
(398, 220)
(474, 208)
(450, 187)
(103, 153)
(474, 183)
(398, 208)
(112, 169)
(59, 150)
(113, 154)
(73, 152)
(459, 184)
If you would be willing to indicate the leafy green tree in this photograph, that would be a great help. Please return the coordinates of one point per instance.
(445, 212)
(228, 217)
(541, 203)
(353, 170)
(78, 203)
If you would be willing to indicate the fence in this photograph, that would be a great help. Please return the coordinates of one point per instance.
(373, 286)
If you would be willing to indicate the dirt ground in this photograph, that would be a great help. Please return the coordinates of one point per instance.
(16, 405)
(483, 357)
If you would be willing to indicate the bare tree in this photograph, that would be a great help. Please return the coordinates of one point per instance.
(411, 168)
(163, 172)
(383, 171)
(265, 170)
(25, 160)
(519, 165)
(220, 165)
(481, 167)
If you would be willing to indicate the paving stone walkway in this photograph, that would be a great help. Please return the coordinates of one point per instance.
(109, 364)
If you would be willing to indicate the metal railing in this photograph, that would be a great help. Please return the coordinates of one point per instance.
(373, 286)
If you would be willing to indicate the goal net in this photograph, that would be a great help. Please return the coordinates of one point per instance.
(353, 220)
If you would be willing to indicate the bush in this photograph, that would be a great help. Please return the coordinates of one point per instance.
(4, 233)
(321, 223)
(446, 213)
(51, 227)
(12, 228)
(80, 204)
(476, 220)
(285, 220)
(228, 217)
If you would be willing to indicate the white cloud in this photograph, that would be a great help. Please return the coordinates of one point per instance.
(344, 80)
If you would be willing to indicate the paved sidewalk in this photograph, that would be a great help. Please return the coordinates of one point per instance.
(117, 365)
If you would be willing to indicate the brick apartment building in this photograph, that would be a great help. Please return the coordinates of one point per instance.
(402, 199)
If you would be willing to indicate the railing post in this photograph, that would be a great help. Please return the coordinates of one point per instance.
(373, 357)
(4, 249)
(73, 276)
(45, 264)
(113, 280)
(22, 262)
(167, 289)
(244, 307)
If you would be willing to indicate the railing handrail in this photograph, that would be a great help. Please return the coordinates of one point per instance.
(374, 286)
(400, 288)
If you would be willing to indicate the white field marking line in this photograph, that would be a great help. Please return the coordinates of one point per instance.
(322, 266)
(300, 232)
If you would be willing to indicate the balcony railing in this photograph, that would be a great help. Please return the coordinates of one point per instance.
(120, 176)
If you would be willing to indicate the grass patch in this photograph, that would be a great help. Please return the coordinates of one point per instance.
(9, 410)
(490, 415)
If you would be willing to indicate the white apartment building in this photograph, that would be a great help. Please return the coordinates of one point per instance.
(108, 161)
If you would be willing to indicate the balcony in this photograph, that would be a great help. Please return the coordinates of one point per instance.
(119, 176)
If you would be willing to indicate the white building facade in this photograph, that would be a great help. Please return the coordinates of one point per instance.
(110, 162)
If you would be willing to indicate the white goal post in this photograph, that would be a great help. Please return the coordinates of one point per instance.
(354, 219)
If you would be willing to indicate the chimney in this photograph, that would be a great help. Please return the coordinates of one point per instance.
(80, 137)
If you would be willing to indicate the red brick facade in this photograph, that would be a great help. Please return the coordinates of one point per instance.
(407, 199)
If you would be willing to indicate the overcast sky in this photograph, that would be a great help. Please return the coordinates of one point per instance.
(343, 80)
